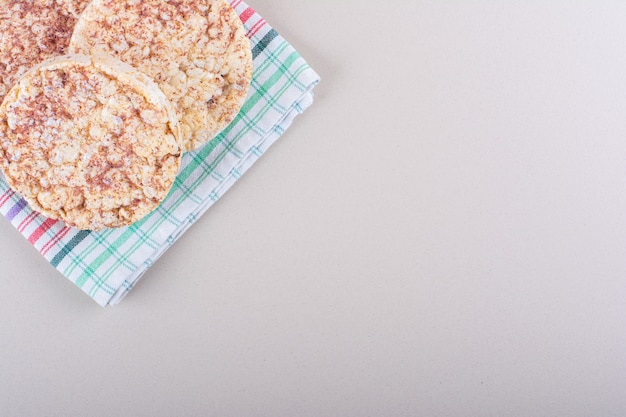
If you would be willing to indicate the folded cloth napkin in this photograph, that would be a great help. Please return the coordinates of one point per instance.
(106, 265)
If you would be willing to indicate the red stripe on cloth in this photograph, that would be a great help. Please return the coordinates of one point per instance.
(246, 14)
(28, 220)
(41, 230)
(254, 29)
(56, 239)
(235, 3)
(5, 197)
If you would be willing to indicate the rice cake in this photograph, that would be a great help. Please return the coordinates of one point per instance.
(90, 141)
(196, 51)
(32, 31)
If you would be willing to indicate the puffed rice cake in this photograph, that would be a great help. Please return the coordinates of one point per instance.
(90, 141)
(196, 51)
(32, 31)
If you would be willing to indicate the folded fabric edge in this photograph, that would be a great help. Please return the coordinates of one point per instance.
(251, 156)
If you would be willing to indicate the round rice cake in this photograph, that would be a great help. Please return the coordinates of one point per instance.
(196, 51)
(89, 141)
(32, 31)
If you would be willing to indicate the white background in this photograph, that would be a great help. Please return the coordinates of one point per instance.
(442, 234)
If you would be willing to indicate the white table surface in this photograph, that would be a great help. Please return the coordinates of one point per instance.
(442, 234)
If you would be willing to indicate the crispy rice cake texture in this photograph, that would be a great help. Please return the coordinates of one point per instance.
(196, 51)
(32, 31)
(90, 141)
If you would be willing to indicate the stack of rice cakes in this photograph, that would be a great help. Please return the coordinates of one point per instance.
(101, 98)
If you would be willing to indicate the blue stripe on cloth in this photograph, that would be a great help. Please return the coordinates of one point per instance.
(263, 43)
(79, 237)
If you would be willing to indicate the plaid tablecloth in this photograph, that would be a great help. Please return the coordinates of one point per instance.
(106, 265)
